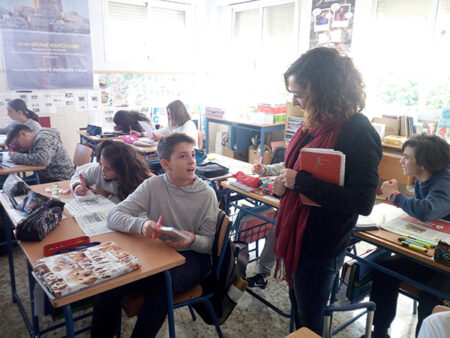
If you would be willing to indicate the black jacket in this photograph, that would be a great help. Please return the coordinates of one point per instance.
(329, 227)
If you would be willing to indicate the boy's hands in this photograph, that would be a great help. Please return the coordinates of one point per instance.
(181, 244)
(257, 169)
(150, 229)
(389, 187)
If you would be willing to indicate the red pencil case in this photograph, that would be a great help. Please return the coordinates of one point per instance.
(51, 249)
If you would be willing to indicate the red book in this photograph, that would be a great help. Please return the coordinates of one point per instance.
(325, 164)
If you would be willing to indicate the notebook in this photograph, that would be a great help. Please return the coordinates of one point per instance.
(325, 164)
(69, 272)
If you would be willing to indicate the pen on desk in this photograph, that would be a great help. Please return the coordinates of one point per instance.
(421, 241)
(414, 247)
(415, 241)
(407, 240)
(158, 224)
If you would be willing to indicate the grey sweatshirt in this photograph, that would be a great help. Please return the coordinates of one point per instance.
(192, 208)
(48, 151)
(93, 178)
(32, 124)
(273, 169)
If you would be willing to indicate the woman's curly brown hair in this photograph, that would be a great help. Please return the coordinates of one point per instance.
(334, 87)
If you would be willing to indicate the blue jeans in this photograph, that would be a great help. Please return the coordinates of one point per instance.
(107, 306)
(313, 282)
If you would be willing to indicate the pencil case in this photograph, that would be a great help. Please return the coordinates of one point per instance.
(52, 248)
(442, 253)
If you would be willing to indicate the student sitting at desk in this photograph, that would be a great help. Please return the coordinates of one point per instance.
(179, 122)
(43, 148)
(20, 114)
(128, 122)
(427, 158)
(119, 170)
(186, 203)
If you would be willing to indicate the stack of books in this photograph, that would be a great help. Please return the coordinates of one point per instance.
(293, 124)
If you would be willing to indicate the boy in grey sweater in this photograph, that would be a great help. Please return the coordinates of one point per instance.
(186, 203)
(43, 148)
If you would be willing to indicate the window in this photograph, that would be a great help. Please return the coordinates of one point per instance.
(263, 45)
(146, 32)
(410, 73)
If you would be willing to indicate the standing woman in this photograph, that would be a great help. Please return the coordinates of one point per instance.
(20, 114)
(311, 241)
(179, 122)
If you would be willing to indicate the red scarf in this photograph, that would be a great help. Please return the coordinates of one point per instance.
(293, 217)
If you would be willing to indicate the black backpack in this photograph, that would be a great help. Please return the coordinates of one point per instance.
(233, 266)
(211, 169)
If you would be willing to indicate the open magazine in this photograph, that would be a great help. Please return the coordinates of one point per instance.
(69, 272)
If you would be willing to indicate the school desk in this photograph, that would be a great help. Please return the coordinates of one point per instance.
(240, 132)
(93, 141)
(232, 164)
(380, 238)
(145, 249)
(22, 169)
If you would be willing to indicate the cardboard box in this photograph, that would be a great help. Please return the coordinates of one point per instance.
(255, 154)
(392, 125)
(237, 155)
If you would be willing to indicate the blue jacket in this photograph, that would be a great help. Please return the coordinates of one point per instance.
(432, 200)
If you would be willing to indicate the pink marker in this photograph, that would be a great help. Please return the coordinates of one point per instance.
(82, 181)
(130, 129)
(261, 160)
(10, 147)
(158, 224)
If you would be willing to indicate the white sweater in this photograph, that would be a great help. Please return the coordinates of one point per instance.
(188, 128)
(192, 208)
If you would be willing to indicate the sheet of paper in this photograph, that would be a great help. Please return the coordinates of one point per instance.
(91, 215)
(6, 160)
(148, 129)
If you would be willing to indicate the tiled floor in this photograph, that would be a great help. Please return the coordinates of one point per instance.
(249, 319)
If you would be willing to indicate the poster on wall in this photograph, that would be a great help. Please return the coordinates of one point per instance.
(46, 44)
(332, 24)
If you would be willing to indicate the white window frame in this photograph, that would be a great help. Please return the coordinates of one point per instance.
(186, 6)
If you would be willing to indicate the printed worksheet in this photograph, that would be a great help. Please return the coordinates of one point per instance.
(91, 215)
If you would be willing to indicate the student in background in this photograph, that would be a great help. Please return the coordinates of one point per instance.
(20, 114)
(43, 148)
(267, 258)
(128, 121)
(186, 203)
(426, 157)
(179, 122)
(436, 325)
(119, 170)
(310, 242)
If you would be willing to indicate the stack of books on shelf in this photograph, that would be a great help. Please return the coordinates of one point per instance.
(293, 124)
(407, 126)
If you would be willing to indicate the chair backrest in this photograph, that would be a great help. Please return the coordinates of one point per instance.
(44, 121)
(278, 155)
(221, 238)
(200, 139)
(82, 155)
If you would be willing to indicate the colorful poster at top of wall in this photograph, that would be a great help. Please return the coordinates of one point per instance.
(332, 24)
(46, 44)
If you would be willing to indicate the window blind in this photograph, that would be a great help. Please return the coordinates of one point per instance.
(127, 12)
(278, 26)
(393, 9)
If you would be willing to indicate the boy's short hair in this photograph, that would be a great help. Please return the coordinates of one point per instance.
(431, 152)
(168, 143)
(14, 132)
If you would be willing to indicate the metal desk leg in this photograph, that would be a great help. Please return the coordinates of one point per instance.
(36, 175)
(69, 320)
(207, 134)
(10, 255)
(169, 296)
(34, 317)
(261, 142)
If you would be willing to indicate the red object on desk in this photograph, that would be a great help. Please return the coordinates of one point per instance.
(51, 249)
(251, 181)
